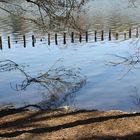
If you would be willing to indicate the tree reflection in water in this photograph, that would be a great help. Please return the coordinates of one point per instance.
(58, 83)
(135, 100)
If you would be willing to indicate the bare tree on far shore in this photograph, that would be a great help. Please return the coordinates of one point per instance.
(57, 12)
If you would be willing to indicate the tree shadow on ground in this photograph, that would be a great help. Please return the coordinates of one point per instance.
(38, 116)
(12, 111)
(35, 117)
(134, 136)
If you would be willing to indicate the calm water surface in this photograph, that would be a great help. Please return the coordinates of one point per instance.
(105, 88)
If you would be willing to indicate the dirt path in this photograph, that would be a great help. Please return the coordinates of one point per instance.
(22, 124)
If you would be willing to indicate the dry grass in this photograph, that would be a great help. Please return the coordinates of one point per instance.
(68, 125)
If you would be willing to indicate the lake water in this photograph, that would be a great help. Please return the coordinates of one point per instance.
(106, 87)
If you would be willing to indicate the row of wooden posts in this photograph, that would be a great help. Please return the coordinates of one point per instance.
(72, 38)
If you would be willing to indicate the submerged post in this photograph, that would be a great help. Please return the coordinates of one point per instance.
(130, 33)
(9, 45)
(24, 41)
(117, 36)
(102, 35)
(137, 32)
(0, 42)
(95, 36)
(124, 35)
(64, 38)
(33, 41)
(49, 42)
(80, 38)
(109, 35)
(86, 36)
(56, 43)
(72, 37)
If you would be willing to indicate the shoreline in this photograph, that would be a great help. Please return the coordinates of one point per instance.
(23, 124)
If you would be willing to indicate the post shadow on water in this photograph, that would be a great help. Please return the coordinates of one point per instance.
(35, 117)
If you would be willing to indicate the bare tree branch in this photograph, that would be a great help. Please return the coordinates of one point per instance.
(59, 12)
(56, 81)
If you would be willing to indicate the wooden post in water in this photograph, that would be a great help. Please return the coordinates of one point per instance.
(24, 41)
(33, 41)
(72, 37)
(64, 38)
(9, 45)
(80, 38)
(102, 35)
(124, 35)
(86, 36)
(49, 40)
(0, 42)
(129, 32)
(56, 43)
(109, 35)
(137, 32)
(117, 36)
(95, 36)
